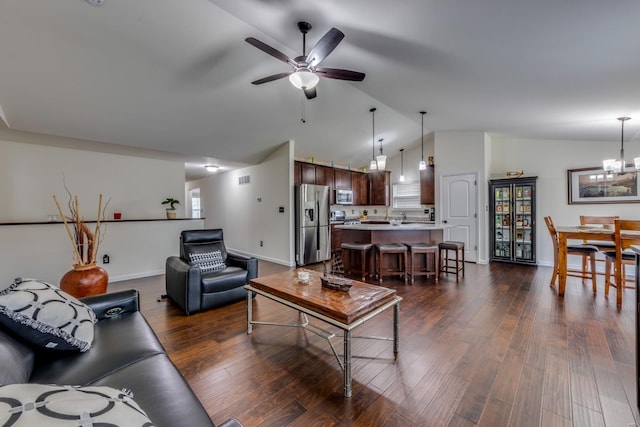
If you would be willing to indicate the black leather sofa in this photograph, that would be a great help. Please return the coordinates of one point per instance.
(195, 289)
(126, 353)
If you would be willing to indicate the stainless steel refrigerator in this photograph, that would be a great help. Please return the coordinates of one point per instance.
(313, 238)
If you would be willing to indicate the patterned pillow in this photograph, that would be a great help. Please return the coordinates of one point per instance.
(65, 405)
(208, 261)
(46, 316)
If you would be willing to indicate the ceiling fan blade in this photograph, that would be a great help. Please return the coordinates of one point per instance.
(337, 73)
(271, 51)
(310, 93)
(324, 47)
(272, 78)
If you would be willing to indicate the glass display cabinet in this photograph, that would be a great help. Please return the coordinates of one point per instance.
(513, 220)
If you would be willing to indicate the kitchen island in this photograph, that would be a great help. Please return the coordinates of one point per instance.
(387, 233)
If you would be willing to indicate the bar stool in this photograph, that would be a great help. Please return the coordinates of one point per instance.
(397, 249)
(426, 249)
(364, 249)
(458, 249)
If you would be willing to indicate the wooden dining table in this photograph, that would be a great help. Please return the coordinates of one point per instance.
(582, 233)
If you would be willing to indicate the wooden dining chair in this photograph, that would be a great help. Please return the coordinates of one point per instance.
(627, 233)
(602, 245)
(584, 251)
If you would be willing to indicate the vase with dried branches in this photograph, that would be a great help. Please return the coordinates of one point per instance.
(86, 278)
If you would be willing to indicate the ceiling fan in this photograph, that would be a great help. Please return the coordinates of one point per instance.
(306, 73)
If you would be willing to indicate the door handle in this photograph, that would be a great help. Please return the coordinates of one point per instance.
(444, 221)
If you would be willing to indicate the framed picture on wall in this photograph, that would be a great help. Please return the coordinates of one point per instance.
(594, 185)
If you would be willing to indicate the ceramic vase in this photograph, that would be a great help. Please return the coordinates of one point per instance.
(85, 280)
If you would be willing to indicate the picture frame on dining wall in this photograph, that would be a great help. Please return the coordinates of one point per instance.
(594, 185)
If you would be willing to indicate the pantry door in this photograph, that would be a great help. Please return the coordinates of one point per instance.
(459, 209)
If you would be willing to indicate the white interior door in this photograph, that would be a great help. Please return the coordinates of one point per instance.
(459, 208)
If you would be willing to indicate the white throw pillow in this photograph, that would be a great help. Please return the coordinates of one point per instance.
(46, 316)
(65, 405)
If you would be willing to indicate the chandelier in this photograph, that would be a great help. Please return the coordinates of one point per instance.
(618, 165)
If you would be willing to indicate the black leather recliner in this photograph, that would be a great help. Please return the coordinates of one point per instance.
(196, 289)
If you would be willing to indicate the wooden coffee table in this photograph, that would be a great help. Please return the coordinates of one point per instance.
(344, 310)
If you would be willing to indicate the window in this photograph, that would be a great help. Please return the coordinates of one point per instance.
(406, 195)
(194, 195)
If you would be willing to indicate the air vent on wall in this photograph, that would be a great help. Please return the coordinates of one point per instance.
(244, 179)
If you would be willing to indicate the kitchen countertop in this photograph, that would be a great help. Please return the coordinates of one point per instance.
(389, 227)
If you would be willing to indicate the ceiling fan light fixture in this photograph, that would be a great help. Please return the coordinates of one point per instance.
(304, 79)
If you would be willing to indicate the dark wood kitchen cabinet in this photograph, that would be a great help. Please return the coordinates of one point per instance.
(324, 175)
(307, 173)
(378, 183)
(427, 186)
(336, 239)
(310, 173)
(342, 179)
(359, 187)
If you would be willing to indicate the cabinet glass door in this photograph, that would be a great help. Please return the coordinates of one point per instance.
(502, 209)
(523, 222)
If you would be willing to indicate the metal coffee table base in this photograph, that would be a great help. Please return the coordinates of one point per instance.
(345, 363)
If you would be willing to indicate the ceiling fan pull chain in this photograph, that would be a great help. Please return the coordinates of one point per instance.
(303, 114)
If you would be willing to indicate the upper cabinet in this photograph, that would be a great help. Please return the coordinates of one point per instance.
(309, 173)
(427, 186)
(368, 188)
(378, 183)
(359, 187)
(342, 179)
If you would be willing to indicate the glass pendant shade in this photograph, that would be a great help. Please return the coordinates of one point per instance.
(303, 79)
(612, 165)
(618, 165)
(636, 163)
(422, 165)
(374, 164)
(381, 159)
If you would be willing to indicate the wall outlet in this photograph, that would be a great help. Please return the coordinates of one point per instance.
(105, 259)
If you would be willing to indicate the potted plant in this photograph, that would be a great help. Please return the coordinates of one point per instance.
(171, 212)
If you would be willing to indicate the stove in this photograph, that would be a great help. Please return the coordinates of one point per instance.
(352, 221)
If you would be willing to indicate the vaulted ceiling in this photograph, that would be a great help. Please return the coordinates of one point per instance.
(174, 76)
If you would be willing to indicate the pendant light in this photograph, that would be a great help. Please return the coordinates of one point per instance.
(381, 159)
(402, 165)
(422, 165)
(613, 165)
(373, 166)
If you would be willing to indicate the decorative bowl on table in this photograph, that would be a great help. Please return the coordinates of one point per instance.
(395, 221)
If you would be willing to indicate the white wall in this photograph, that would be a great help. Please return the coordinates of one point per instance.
(31, 174)
(458, 152)
(249, 213)
(549, 160)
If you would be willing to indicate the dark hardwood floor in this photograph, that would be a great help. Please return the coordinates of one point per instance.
(499, 348)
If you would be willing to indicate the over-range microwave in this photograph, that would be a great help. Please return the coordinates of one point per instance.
(344, 197)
